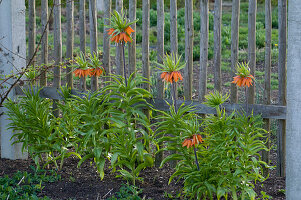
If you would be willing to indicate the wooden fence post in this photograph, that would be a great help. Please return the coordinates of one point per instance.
(282, 37)
(160, 56)
(93, 38)
(173, 27)
(82, 36)
(145, 42)
(31, 30)
(234, 46)
(252, 46)
(106, 41)
(44, 54)
(119, 58)
(267, 83)
(204, 8)
(217, 44)
(188, 70)
(132, 45)
(70, 39)
(57, 49)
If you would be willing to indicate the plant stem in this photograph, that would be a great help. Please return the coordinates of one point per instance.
(174, 96)
(124, 70)
(196, 158)
(246, 96)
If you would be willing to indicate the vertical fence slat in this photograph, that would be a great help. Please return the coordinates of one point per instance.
(82, 36)
(204, 8)
(70, 39)
(217, 44)
(145, 42)
(267, 67)
(57, 37)
(252, 46)
(119, 57)
(173, 27)
(93, 38)
(160, 45)
(234, 45)
(57, 44)
(282, 42)
(44, 54)
(188, 70)
(160, 55)
(106, 41)
(132, 45)
(31, 30)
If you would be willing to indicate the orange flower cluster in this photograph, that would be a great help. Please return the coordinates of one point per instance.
(121, 37)
(88, 72)
(171, 76)
(242, 81)
(192, 142)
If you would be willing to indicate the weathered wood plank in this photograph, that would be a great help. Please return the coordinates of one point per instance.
(160, 45)
(106, 41)
(188, 70)
(266, 111)
(44, 48)
(57, 44)
(252, 45)
(217, 44)
(93, 38)
(203, 48)
(267, 83)
(70, 39)
(234, 46)
(173, 27)
(119, 58)
(132, 45)
(31, 30)
(282, 43)
(82, 36)
(145, 42)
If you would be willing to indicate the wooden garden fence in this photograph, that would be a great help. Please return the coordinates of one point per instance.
(268, 111)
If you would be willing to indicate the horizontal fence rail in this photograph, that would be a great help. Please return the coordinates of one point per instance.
(266, 111)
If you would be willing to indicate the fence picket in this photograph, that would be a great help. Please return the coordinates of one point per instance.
(82, 36)
(31, 30)
(252, 46)
(234, 45)
(217, 44)
(106, 41)
(188, 70)
(132, 45)
(44, 54)
(93, 38)
(282, 37)
(119, 58)
(204, 9)
(70, 39)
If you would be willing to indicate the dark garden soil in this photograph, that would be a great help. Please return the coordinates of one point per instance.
(84, 182)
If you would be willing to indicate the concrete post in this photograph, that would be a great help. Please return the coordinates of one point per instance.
(12, 57)
(293, 128)
(100, 5)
